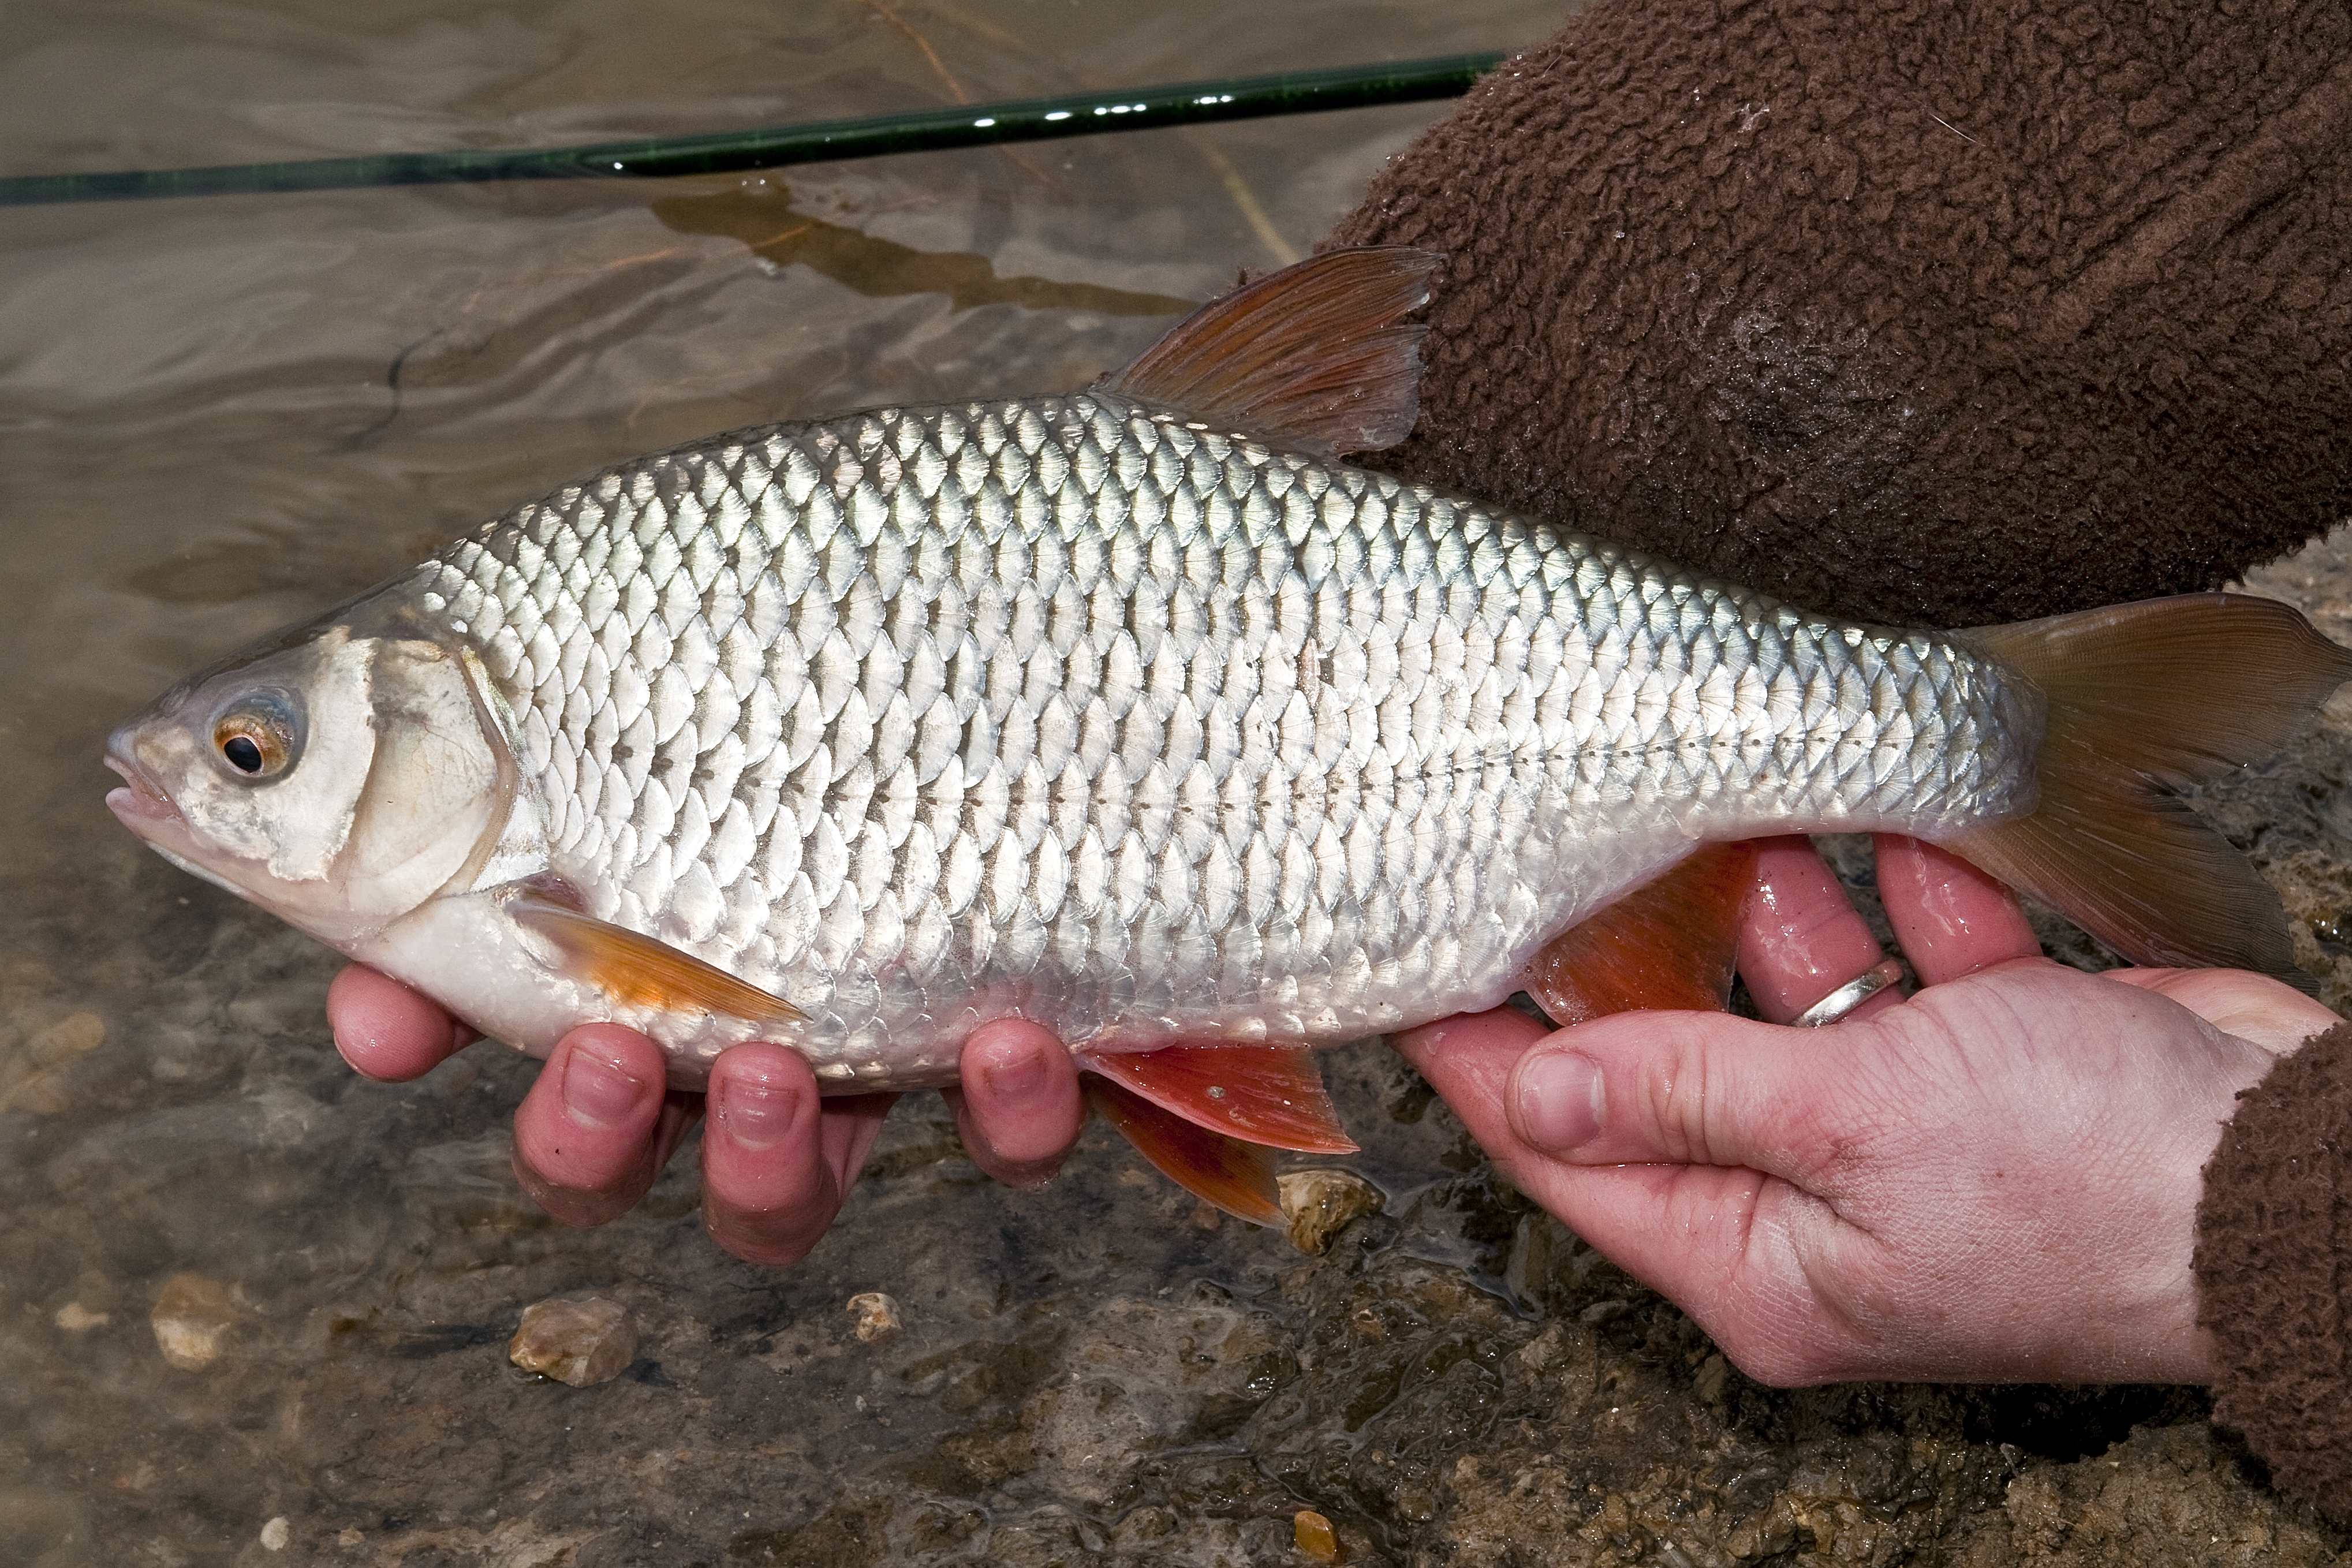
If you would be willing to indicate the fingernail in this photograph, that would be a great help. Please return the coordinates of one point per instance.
(1016, 1082)
(596, 1091)
(755, 1112)
(1560, 1102)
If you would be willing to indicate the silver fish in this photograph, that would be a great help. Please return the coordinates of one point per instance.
(1135, 713)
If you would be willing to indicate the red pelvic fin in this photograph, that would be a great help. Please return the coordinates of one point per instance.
(2146, 700)
(631, 967)
(1237, 1177)
(1260, 1094)
(1316, 357)
(1670, 943)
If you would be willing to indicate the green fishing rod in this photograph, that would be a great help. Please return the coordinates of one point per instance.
(825, 141)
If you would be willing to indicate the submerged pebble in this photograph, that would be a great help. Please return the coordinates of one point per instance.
(578, 1339)
(191, 1319)
(76, 1319)
(33, 1076)
(875, 1316)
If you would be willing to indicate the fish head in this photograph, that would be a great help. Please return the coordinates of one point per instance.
(340, 776)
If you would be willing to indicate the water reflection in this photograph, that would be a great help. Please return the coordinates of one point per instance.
(760, 215)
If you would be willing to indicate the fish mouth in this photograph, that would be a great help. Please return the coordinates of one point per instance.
(141, 806)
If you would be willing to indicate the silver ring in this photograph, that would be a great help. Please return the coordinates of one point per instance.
(1850, 995)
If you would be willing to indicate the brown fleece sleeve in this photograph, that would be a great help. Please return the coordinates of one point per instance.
(1925, 314)
(2274, 1267)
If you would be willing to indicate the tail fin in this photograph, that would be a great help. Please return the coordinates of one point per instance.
(2146, 700)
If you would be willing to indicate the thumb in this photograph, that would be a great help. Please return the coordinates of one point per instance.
(1681, 1089)
(1689, 1148)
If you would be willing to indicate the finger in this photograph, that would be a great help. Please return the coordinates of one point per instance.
(385, 1030)
(1019, 1109)
(1801, 940)
(2255, 1007)
(850, 1124)
(775, 1165)
(588, 1136)
(1951, 919)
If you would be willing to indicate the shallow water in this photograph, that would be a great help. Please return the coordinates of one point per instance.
(220, 415)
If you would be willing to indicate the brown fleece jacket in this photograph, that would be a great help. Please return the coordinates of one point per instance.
(1924, 311)
(2274, 1271)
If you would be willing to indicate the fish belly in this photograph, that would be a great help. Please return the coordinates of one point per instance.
(1075, 709)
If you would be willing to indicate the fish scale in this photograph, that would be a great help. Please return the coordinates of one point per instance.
(1077, 708)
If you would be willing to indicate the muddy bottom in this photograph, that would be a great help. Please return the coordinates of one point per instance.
(255, 1310)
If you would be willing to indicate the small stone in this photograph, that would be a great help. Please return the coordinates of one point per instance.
(34, 1076)
(1315, 1536)
(76, 1319)
(578, 1339)
(274, 1534)
(192, 1320)
(876, 1316)
(1320, 1203)
(1714, 1374)
(76, 1034)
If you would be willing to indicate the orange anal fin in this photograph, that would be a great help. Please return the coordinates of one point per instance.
(1670, 943)
(1317, 356)
(1237, 1177)
(1260, 1094)
(633, 968)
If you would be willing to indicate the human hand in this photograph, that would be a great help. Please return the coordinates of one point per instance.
(777, 1160)
(1995, 1180)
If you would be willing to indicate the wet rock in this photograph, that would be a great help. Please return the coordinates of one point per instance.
(875, 1316)
(191, 1319)
(1320, 1205)
(578, 1339)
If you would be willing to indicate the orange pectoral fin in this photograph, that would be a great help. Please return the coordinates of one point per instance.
(1259, 1094)
(1670, 943)
(633, 968)
(1236, 1177)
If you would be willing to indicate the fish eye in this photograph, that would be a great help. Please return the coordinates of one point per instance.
(258, 736)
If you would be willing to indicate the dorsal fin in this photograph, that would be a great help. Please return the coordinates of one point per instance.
(1260, 1094)
(632, 967)
(1317, 356)
(1670, 942)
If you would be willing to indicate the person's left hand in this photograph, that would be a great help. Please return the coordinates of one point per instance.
(778, 1160)
(1996, 1179)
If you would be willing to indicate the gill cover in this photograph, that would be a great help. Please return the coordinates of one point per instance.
(338, 778)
